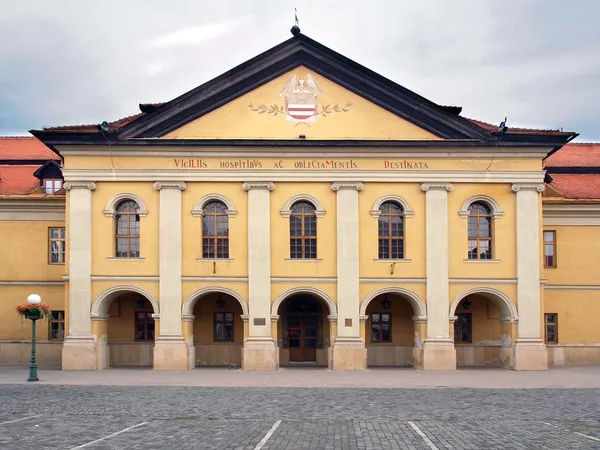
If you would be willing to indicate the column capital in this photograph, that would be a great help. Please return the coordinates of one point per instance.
(436, 186)
(356, 185)
(187, 317)
(68, 185)
(268, 185)
(169, 185)
(516, 187)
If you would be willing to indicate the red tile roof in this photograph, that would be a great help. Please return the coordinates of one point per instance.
(576, 186)
(576, 155)
(25, 148)
(93, 128)
(491, 127)
(19, 180)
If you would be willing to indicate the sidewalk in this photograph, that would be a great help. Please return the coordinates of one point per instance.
(402, 378)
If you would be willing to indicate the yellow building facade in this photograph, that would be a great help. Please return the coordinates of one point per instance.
(301, 209)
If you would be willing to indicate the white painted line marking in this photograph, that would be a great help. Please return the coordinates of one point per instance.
(18, 420)
(268, 435)
(431, 445)
(109, 436)
(574, 432)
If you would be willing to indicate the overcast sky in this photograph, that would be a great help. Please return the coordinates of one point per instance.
(75, 62)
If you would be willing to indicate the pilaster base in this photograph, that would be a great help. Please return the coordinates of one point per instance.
(260, 354)
(530, 355)
(171, 353)
(348, 354)
(79, 353)
(417, 358)
(439, 355)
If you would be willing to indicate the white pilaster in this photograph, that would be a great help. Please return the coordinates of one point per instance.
(79, 348)
(170, 350)
(530, 350)
(260, 352)
(438, 348)
(349, 351)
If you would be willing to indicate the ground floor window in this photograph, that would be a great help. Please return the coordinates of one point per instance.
(224, 324)
(463, 329)
(57, 326)
(381, 327)
(144, 326)
(551, 328)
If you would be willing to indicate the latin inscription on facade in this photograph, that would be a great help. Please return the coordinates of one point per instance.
(298, 164)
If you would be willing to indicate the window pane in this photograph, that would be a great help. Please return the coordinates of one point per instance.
(549, 250)
(384, 252)
(375, 317)
(54, 233)
(208, 225)
(385, 317)
(228, 331)
(385, 332)
(375, 332)
(551, 318)
(485, 251)
(549, 236)
(472, 249)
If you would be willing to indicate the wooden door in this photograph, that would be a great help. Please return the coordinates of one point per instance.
(302, 337)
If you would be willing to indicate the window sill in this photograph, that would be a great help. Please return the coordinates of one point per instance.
(56, 264)
(383, 343)
(114, 258)
(379, 260)
(303, 260)
(481, 260)
(214, 259)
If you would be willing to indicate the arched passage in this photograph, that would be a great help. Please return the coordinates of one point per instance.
(123, 319)
(394, 320)
(484, 329)
(304, 328)
(214, 326)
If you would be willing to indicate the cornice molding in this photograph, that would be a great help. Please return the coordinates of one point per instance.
(436, 186)
(352, 185)
(248, 185)
(516, 187)
(158, 185)
(45, 208)
(91, 185)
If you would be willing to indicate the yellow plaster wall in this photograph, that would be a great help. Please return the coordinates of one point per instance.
(192, 232)
(414, 232)
(121, 317)
(577, 315)
(402, 324)
(103, 230)
(503, 233)
(363, 119)
(25, 251)
(281, 265)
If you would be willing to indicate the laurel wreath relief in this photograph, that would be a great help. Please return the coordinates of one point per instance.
(276, 110)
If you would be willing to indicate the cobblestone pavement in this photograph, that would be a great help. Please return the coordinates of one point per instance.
(110, 417)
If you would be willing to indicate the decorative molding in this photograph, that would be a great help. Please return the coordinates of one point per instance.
(111, 205)
(187, 317)
(305, 290)
(91, 185)
(406, 209)
(304, 260)
(118, 258)
(332, 318)
(212, 279)
(256, 176)
(274, 318)
(286, 211)
(574, 287)
(102, 301)
(188, 305)
(419, 319)
(482, 281)
(258, 185)
(32, 283)
(506, 305)
(496, 212)
(38, 209)
(158, 185)
(416, 302)
(369, 280)
(571, 214)
(356, 185)
(485, 261)
(392, 261)
(434, 186)
(139, 279)
(327, 280)
(209, 260)
(363, 319)
(198, 210)
(516, 187)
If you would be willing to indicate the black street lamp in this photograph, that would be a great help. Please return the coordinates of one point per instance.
(34, 315)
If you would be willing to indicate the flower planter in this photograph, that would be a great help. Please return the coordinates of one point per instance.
(33, 315)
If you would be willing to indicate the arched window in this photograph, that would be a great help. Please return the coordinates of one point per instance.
(303, 231)
(391, 231)
(480, 231)
(127, 221)
(215, 231)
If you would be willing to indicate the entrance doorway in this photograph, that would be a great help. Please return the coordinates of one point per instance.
(303, 328)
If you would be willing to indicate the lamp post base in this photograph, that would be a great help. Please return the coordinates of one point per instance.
(33, 366)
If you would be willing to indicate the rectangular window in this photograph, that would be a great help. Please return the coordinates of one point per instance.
(52, 185)
(381, 327)
(463, 329)
(144, 326)
(56, 247)
(551, 328)
(224, 322)
(57, 326)
(549, 248)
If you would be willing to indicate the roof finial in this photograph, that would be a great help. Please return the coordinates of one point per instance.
(296, 28)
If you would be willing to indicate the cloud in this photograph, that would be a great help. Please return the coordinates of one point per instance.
(198, 35)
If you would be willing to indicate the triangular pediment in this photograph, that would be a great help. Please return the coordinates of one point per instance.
(232, 105)
(300, 103)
